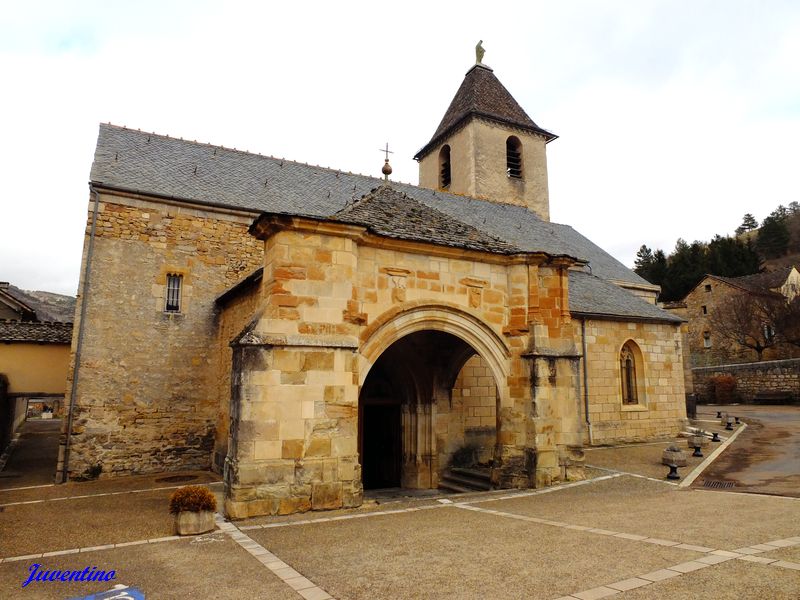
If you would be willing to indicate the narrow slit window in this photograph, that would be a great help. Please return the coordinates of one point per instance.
(174, 285)
(627, 367)
(444, 167)
(514, 157)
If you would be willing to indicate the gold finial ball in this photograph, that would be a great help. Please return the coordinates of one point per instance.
(387, 168)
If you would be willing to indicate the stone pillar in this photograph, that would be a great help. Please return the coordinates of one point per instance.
(539, 427)
(294, 430)
(514, 459)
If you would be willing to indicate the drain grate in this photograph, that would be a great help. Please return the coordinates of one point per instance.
(176, 478)
(719, 485)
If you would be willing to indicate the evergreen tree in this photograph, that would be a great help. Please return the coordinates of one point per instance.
(686, 266)
(658, 272)
(644, 262)
(748, 224)
(650, 265)
(773, 237)
(731, 257)
(780, 213)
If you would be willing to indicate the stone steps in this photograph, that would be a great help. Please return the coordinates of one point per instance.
(462, 480)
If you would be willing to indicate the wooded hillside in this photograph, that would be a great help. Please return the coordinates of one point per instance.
(775, 243)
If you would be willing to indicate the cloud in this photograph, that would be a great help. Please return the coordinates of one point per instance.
(674, 119)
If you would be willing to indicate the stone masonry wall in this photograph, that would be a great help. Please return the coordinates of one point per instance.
(145, 399)
(774, 377)
(233, 319)
(478, 166)
(661, 409)
(474, 401)
(328, 298)
(721, 351)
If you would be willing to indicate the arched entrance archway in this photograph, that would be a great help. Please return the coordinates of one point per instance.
(421, 410)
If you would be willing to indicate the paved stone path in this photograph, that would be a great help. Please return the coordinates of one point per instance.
(33, 460)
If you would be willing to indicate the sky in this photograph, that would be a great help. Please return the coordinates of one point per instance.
(674, 117)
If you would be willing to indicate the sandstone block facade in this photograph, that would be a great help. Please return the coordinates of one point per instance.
(332, 301)
(661, 407)
(478, 166)
(145, 398)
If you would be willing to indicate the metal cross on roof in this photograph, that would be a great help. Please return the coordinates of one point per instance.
(386, 151)
(387, 169)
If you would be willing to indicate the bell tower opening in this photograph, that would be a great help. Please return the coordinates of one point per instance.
(444, 167)
(486, 130)
(514, 157)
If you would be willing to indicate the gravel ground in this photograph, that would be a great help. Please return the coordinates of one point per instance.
(451, 552)
(643, 459)
(438, 552)
(733, 580)
(169, 570)
(31, 528)
(630, 505)
(367, 507)
(102, 486)
(790, 554)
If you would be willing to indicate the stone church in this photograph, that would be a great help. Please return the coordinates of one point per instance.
(310, 333)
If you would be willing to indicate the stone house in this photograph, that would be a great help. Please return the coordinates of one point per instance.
(310, 332)
(709, 297)
(35, 337)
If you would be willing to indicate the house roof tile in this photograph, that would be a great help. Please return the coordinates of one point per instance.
(41, 332)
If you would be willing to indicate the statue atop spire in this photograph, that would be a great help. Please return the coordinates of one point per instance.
(479, 52)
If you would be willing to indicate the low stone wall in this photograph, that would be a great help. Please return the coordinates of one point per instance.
(765, 379)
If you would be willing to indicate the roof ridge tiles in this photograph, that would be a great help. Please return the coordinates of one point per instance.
(249, 153)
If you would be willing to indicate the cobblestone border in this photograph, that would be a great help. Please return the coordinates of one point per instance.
(300, 584)
(714, 557)
(121, 493)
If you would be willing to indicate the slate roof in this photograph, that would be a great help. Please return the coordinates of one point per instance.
(35, 331)
(481, 94)
(592, 296)
(760, 282)
(161, 166)
(46, 306)
(157, 165)
(391, 213)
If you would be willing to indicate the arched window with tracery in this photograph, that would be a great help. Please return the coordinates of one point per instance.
(444, 167)
(514, 157)
(630, 373)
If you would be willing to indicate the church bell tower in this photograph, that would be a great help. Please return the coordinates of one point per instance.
(486, 146)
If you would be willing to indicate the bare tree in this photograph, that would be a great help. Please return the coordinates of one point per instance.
(748, 320)
(787, 322)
